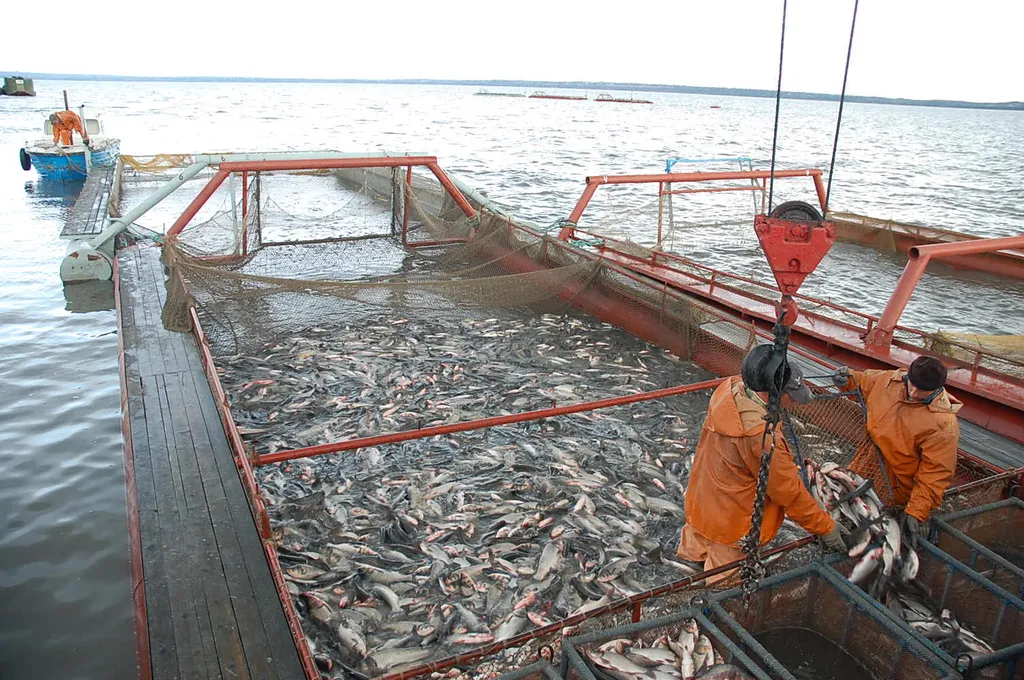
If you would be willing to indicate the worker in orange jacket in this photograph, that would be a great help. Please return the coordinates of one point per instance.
(64, 123)
(912, 420)
(723, 480)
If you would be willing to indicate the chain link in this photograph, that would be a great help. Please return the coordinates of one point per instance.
(753, 568)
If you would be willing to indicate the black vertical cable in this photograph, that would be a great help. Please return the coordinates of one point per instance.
(778, 98)
(842, 98)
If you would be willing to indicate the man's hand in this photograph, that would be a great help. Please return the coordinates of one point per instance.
(841, 375)
(912, 528)
(833, 540)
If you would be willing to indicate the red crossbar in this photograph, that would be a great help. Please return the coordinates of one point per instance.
(481, 423)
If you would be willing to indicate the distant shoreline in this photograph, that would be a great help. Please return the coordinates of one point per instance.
(566, 85)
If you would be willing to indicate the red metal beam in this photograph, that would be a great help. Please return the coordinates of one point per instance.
(198, 202)
(712, 190)
(919, 257)
(482, 423)
(256, 506)
(596, 181)
(452, 190)
(327, 163)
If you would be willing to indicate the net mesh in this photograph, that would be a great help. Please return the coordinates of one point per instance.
(808, 599)
(988, 539)
(993, 615)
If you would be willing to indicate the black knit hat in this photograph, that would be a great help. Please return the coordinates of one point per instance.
(927, 373)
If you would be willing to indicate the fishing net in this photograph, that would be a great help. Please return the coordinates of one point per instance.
(989, 612)
(810, 598)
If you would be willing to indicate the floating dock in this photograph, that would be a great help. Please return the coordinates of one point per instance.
(205, 602)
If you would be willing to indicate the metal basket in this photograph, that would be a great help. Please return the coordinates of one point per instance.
(970, 534)
(574, 650)
(541, 670)
(991, 612)
(814, 598)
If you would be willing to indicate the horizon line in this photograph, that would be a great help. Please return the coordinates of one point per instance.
(564, 84)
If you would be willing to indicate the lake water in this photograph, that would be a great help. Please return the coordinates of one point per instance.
(64, 598)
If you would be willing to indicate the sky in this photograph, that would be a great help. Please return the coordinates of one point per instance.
(967, 50)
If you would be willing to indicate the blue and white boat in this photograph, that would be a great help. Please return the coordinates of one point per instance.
(70, 163)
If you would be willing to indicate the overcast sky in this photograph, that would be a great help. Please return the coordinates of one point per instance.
(903, 48)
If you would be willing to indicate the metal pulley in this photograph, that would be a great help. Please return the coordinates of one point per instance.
(794, 238)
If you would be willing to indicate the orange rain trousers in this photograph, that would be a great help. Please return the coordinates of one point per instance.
(723, 481)
(68, 122)
(918, 441)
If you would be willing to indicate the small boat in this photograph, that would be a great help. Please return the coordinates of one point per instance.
(70, 163)
(631, 100)
(541, 95)
(715, 106)
(16, 86)
(486, 93)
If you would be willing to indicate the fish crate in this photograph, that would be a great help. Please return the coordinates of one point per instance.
(974, 536)
(815, 599)
(541, 670)
(575, 665)
(992, 613)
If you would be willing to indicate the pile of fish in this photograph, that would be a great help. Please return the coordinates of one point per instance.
(887, 565)
(873, 535)
(688, 654)
(402, 554)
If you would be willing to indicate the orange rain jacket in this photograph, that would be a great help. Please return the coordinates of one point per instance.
(68, 122)
(918, 441)
(720, 497)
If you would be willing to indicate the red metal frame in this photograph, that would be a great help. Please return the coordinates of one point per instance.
(991, 399)
(919, 257)
(238, 450)
(140, 618)
(672, 177)
(481, 423)
(639, 317)
(227, 167)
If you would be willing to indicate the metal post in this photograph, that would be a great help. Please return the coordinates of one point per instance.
(407, 190)
(661, 210)
(919, 256)
(234, 211)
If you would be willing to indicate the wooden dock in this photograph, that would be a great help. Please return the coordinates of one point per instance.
(205, 602)
(99, 198)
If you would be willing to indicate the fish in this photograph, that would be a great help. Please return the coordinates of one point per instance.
(866, 566)
(517, 525)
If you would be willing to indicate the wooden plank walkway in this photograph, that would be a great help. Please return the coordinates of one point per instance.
(88, 216)
(211, 607)
(993, 448)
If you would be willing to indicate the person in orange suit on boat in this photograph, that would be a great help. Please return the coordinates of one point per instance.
(64, 123)
(912, 421)
(723, 480)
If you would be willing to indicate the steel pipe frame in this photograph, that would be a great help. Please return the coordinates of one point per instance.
(919, 257)
(594, 182)
(305, 162)
(482, 423)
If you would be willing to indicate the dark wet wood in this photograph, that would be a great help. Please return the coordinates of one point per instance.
(212, 608)
(990, 447)
(87, 217)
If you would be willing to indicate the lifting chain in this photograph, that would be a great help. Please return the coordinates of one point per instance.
(753, 569)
